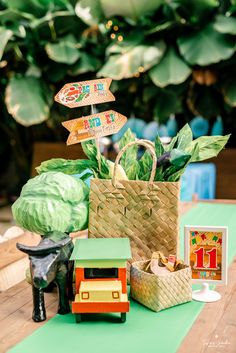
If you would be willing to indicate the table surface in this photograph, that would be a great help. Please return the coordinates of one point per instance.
(213, 331)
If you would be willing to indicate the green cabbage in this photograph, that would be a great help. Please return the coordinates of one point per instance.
(52, 201)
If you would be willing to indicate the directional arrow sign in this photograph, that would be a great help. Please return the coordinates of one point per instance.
(94, 126)
(78, 94)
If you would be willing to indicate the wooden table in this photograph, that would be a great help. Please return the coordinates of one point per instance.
(214, 331)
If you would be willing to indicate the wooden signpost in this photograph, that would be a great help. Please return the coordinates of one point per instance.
(94, 126)
(206, 253)
(79, 94)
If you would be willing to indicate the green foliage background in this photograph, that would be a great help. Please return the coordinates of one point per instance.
(165, 57)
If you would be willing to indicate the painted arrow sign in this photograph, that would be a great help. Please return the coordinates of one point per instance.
(94, 126)
(78, 94)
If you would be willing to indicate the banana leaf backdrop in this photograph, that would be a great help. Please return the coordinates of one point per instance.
(166, 57)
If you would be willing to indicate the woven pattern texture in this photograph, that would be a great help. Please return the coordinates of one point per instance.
(160, 292)
(145, 212)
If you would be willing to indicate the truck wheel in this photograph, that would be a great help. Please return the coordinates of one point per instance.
(123, 317)
(78, 318)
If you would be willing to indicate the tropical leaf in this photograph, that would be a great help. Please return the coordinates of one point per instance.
(28, 100)
(15, 21)
(209, 147)
(159, 176)
(86, 63)
(89, 11)
(159, 148)
(182, 140)
(175, 173)
(35, 7)
(132, 40)
(129, 158)
(5, 35)
(145, 166)
(172, 173)
(206, 47)
(90, 149)
(229, 92)
(185, 137)
(170, 70)
(179, 158)
(130, 8)
(65, 51)
(138, 59)
(193, 11)
(224, 24)
(146, 161)
(66, 166)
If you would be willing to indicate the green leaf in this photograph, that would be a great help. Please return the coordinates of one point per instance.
(86, 63)
(56, 22)
(85, 176)
(130, 8)
(132, 40)
(194, 151)
(224, 24)
(145, 163)
(170, 70)
(193, 11)
(129, 64)
(133, 171)
(145, 166)
(66, 51)
(34, 7)
(159, 148)
(172, 144)
(229, 92)
(90, 149)
(178, 158)
(209, 147)
(159, 176)
(89, 11)
(66, 166)
(206, 47)
(28, 100)
(182, 140)
(15, 21)
(174, 173)
(185, 137)
(5, 35)
(129, 158)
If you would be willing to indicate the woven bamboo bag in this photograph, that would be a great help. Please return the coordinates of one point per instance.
(160, 292)
(144, 211)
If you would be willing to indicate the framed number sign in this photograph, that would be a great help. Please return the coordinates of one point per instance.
(206, 253)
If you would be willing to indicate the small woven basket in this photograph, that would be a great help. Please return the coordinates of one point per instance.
(160, 292)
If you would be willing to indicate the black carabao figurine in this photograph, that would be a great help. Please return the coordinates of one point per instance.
(49, 262)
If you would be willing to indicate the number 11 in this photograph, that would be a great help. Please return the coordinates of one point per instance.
(212, 254)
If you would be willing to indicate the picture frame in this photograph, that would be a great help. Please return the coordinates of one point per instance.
(205, 250)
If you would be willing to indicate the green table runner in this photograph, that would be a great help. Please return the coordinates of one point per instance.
(144, 331)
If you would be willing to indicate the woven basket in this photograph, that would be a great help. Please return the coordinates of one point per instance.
(144, 211)
(160, 292)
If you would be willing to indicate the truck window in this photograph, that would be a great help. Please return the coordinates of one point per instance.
(90, 273)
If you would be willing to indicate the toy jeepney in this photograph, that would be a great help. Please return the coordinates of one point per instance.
(100, 276)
